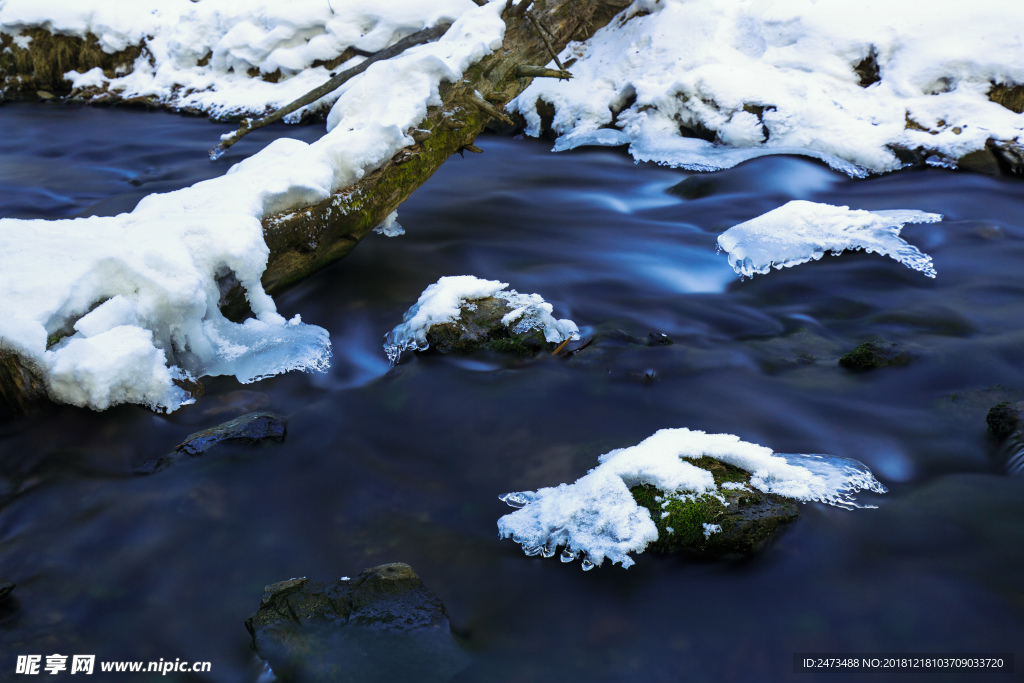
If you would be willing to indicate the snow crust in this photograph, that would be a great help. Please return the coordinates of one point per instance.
(802, 231)
(204, 55)
(136, 295)
(597, 518)
(443, 301)
(760, 77)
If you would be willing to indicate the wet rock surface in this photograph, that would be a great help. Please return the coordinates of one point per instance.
(875, 354)
(249, 430)
(1005, 422)
(479, 327)
(742, 524)
(1005, 419)
(382, 625)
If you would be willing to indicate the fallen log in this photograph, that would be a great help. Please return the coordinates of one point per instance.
(305, 239)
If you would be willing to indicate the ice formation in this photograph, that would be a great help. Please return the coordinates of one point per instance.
(204, 55)
(443, 301)
(390, 226)
(843, 82)
(125, 308)
(596, 517)
(801, 231)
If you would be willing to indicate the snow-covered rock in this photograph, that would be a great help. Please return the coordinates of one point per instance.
(704, 85)
(462, 313)
(598, 517)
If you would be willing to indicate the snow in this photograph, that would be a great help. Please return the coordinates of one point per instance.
(137, 294)
(597, 518)
(801, 231)
(778, 77)
(232, 39)
(443, 301)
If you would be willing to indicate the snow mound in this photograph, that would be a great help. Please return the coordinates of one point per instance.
(443, 302)
(230, 57)
(802, 231)
(596, 517)
(126, 308)
(705, 85)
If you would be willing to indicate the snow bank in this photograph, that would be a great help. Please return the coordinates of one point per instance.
(781, 78)
(135, 297)
(597, 517)
(801, 231)
(230, 57)
(443, 301)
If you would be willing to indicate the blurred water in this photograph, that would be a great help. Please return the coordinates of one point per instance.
(406, 464)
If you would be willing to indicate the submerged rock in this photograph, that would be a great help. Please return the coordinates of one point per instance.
(383, 625)
(875, 354)
(5, 589)
(248, 429)
(1006, 423)
(740, 522)
(1005, 419)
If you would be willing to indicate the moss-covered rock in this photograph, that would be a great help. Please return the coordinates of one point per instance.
(479, 327)
(382, 625)
(875, 354)
(38, 69)
(737, 521)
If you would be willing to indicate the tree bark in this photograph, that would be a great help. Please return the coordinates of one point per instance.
(306, 239)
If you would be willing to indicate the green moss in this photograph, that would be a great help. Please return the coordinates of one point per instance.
(873, 355)
(512, 346)
(42, 65)
(56, 338)
(748, 518)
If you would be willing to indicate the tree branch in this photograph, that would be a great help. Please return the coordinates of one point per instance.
(248, 125)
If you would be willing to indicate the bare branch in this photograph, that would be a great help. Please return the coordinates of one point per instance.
(530, 71)
(488, 108)
(248, 125)
(544, 37)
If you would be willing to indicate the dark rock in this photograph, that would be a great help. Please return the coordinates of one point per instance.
(1004, 419)
(382, 625)
(480, 328)
(248, 429)
(5, 589)
(867, 69)
(875, 354)
(748, 518)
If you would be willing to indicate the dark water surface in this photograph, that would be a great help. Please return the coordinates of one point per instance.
(407, 465)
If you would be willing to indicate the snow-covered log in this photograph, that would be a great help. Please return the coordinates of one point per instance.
(305, 227)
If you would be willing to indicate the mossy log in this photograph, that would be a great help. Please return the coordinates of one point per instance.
(305, 239)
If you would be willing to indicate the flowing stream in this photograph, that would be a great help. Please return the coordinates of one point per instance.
(406, 464)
